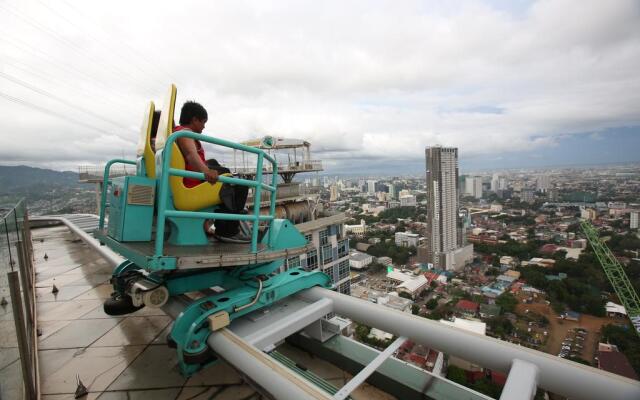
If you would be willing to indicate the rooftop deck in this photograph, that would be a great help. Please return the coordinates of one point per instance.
(124, 357)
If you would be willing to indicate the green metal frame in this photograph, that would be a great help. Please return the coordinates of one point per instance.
(159, 260)
(616, 275)
(247, 287)
(106, 181)
(191, 329)
(257, 184)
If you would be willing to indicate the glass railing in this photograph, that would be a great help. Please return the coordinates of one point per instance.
(95, 173)
(18, 339)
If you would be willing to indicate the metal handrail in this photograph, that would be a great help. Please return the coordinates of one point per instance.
(284, 167)
(167, 171)
(105, 183)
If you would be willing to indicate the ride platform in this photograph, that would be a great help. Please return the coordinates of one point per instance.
(214, 255)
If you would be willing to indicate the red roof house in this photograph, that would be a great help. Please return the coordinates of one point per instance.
(467, 307)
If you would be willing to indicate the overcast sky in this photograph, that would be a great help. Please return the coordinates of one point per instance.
(508, 82)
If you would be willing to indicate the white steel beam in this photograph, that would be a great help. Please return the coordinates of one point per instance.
(273, 377)
(522, 382)
(556, 375)
(368, 370)
(277, 330)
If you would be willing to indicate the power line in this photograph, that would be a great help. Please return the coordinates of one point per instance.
(22, 45)
(118, 72)
(52, 113)
(109, 44)
(61, 100)
(21, 66)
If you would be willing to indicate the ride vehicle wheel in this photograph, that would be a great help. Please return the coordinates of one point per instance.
(120, 306)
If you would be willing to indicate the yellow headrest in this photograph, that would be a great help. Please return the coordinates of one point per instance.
(165, 126)
(144, 141)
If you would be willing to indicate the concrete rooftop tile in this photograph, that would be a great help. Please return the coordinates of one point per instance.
(224, 392)
(98, 367)
(79, 333)
(134, 330)
(68, 310)
(157, 367)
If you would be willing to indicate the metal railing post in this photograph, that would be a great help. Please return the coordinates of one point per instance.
(27, 234)
(256, 204)
(25, 282)
(272, 208)
(105, 185)
(23, 345)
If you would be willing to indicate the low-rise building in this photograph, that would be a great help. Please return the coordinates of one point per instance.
(468, 325)
(507, 261)
(512, 273)
(539, 262)
(467, 307)
(611, 360)
(408, 283)
(408, 201)
(392, 300)
(363, 246)
(359, 261)
(456, 259)
(634, 219)
(588, 213)
(407, 239)
(356, 230)
(386, 261)
(615, 310)
(413, 287)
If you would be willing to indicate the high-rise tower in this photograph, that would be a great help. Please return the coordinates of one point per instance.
(442, 195)
(443, 241)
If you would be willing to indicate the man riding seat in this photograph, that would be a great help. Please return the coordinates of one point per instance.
(193, 117)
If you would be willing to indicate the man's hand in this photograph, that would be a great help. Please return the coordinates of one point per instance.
(211, 176)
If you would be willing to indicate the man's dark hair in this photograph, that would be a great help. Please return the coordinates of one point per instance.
(191, 109)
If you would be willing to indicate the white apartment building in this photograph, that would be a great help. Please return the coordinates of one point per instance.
(408, 201)
(407, 239)
(371, 186)
(473, 186)
(543, 183)
(331, 253)
(634, 217)
(359, 260)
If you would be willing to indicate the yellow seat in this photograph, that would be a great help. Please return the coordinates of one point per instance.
(145, 150)
(194, 198)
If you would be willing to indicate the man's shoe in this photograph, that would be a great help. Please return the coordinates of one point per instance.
(237, 238)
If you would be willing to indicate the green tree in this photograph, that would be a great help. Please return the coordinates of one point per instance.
(457, 374)
(500, 326)
(507, 302)
(362, 331)
(405, 295)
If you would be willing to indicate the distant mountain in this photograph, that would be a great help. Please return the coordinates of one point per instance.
(21, 177)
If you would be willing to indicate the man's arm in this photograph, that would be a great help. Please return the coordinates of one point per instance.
(190, 154)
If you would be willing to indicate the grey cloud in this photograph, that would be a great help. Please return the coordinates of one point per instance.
(360, 80)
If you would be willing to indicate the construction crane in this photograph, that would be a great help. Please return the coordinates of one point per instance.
(616, 275)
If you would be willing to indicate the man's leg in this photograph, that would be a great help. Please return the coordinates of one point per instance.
(234, 198)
